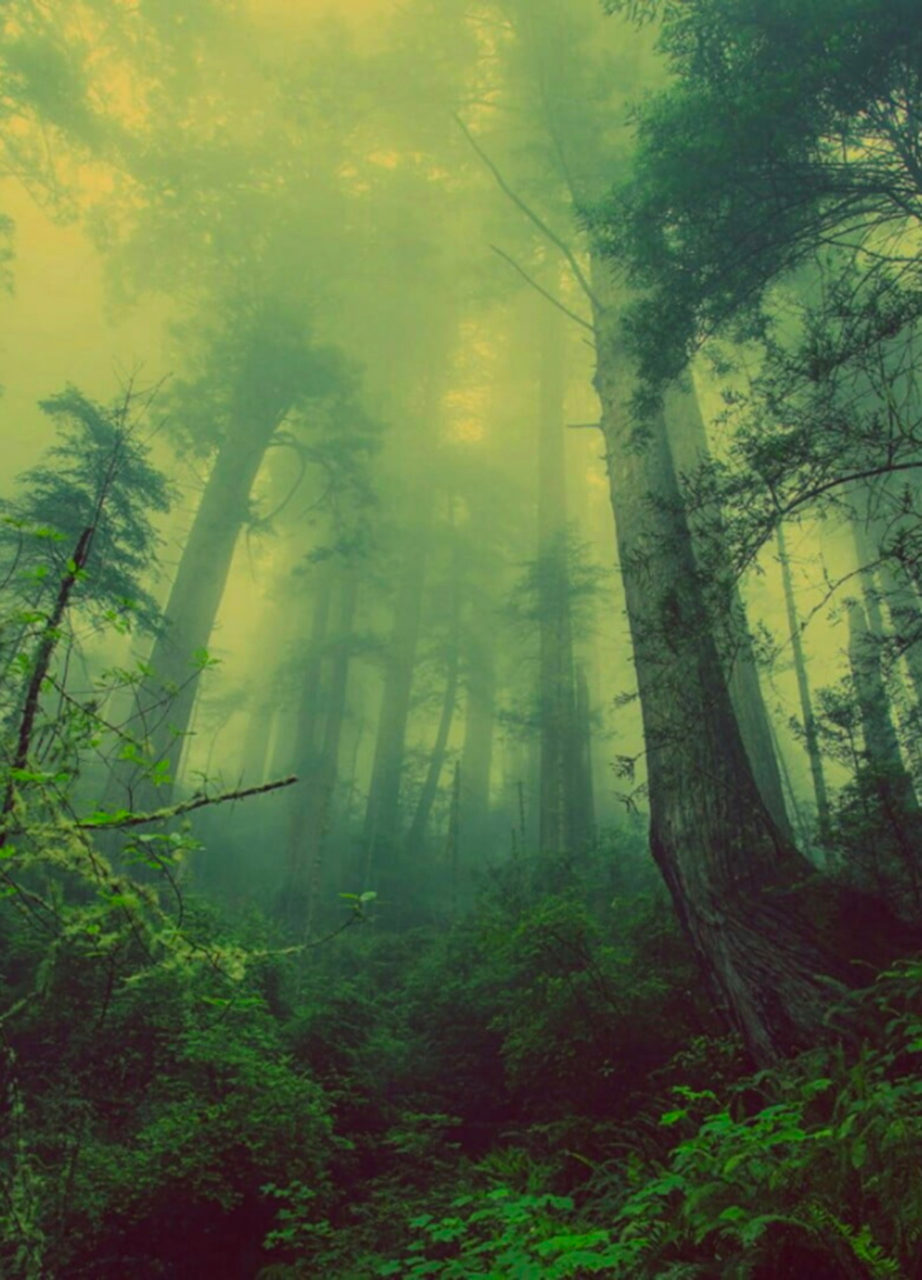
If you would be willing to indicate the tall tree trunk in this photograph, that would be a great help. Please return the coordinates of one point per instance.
(891, 858)
(382, 812)
(690, 450)
(583, 785)
(305, 755)
(811, 738)
(770, 932)
(301, 752)
(477, 748)
(453, 842)
(559, 827)
(312, 825)
(417, 832)
(164, 703)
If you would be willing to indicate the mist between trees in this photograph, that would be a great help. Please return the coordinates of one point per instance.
(461, 649)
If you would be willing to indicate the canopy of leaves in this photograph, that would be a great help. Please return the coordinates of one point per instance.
(789, 126)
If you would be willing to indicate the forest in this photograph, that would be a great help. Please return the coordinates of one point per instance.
(461, 639)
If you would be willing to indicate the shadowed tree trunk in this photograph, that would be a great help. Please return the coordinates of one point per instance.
(583, 787)
(304, 756)
(477, 748)
(690, 450)
(769, 931)
(561, 825)
(311, 826)
(297, 748)
(891, 859)
(417, 832)
(895, 589)
(382, 812)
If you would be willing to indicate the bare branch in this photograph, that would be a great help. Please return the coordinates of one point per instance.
(539, 222)
(544, 292)
(174, 811)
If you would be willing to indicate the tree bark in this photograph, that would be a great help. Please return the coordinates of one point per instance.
(772, 934)
(690, 451)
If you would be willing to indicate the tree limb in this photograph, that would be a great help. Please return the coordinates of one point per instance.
(186, 806)
(544, 292)
(531, 215)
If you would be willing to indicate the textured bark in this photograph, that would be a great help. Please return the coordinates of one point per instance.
(690, 450)
(770, 932)
(811, 739)
(891, 859)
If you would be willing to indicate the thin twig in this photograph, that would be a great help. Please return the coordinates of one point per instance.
(532, 216)
(544, 292)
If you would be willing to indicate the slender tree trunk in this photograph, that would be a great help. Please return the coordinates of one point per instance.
(811, 739)
(559, 828)
(583, 785)
(308, 721)
(690, 450)
(305, 755)
(313, 828)
(382, 812)
(891, 859)
(477, 748)
(417, 832)
(453, 841)
(769, 931)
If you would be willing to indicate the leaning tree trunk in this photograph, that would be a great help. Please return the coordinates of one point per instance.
(771, 934)
(690, 450)
(164, 703)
